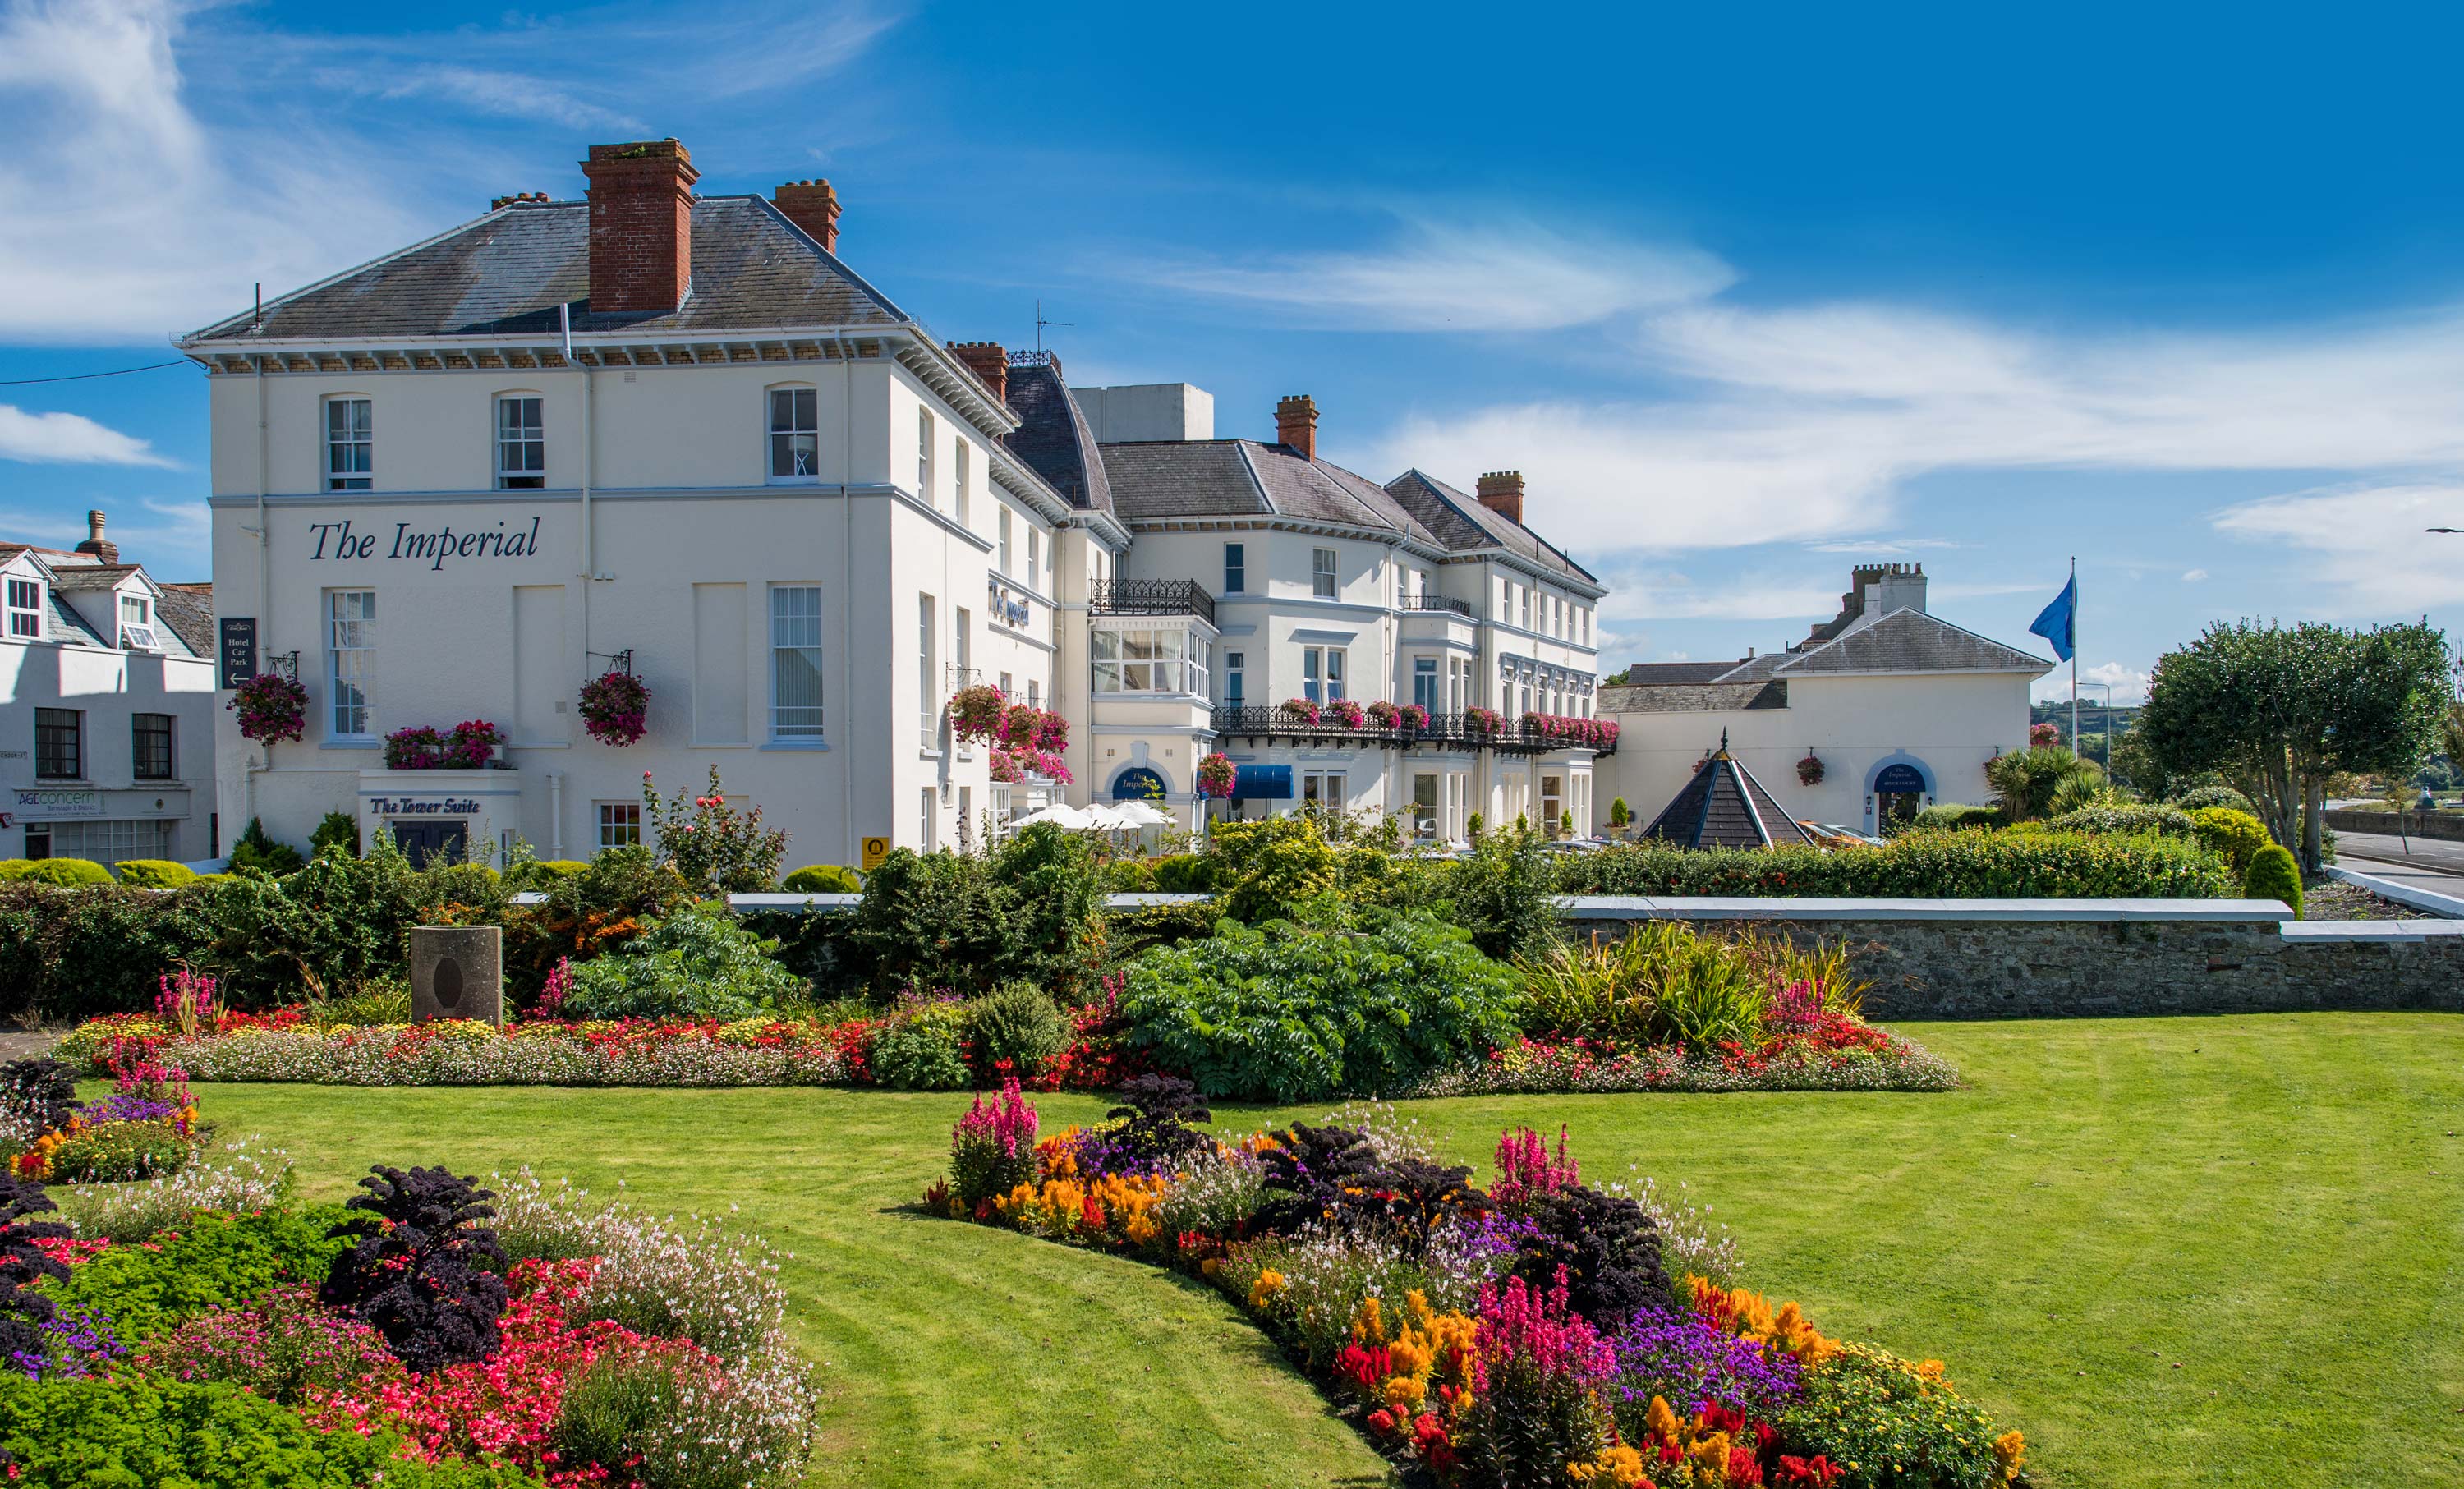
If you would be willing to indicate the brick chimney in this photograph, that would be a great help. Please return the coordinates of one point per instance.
(518, 199)
(988, 362)
(95, 542)
(812, 206)
(1296, 424)
(641, 226)
(1502, 492)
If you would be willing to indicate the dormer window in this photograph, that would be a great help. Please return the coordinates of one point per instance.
(137, 624)
(24, 609)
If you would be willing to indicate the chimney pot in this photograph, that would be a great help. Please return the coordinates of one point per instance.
(94, 543)
(641, 226)
(1296, 424)
(988, 361)
(1502, 492)
(812, 206)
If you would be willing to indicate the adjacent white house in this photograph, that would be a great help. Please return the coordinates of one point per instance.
(680, 436)
(107, 707)
(1890, 707)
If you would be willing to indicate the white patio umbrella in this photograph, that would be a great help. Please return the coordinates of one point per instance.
(1061, 814)
(1136, 814)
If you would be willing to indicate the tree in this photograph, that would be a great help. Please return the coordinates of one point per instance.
(2280, 709)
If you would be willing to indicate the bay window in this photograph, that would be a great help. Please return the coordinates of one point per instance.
(1157, 661)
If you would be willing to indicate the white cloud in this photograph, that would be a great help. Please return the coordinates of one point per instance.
(2122, 686)
(164, 156)
(2193, 576)
(1444, 279)
(69, 439)
(2371, 551)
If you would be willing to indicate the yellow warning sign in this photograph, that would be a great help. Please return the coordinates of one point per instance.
(875, 849)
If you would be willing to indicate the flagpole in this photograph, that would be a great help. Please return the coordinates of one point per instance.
(2075, 733)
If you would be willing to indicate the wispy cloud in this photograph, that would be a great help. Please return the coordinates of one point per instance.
(69, 439)
(2369, 549)
(2193, 576)
(1525, 278)
(161, 159)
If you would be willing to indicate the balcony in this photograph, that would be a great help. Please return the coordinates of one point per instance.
(1153, 597)
(1461, 731)
(1429, 602)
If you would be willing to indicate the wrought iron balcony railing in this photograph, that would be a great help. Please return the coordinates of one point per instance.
(1153, 596)
(1462, 730)
(1429, 602)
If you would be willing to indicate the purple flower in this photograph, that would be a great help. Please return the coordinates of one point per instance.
(1691, 1363)
(76, 1344)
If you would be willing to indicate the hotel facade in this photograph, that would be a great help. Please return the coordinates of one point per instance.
(679, 436)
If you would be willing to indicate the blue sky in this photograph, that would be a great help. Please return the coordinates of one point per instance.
(1749, 296)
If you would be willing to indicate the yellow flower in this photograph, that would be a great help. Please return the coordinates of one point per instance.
(1660, 1421)
(1616, 1464)
(1405, 1394)
(1262, 1292)
(2009, 1451)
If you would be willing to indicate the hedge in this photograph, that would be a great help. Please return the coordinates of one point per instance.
(1953, 866)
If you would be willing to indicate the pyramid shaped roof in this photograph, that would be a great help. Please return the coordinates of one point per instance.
(1724, 806)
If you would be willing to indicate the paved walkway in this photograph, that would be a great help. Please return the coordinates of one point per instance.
(2435, 864)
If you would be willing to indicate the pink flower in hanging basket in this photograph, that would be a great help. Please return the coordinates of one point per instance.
(1217, 775)
(272, 707)
(615, 708)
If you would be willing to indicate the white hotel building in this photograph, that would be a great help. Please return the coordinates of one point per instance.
(459, 481)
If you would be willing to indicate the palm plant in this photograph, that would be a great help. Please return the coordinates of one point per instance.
(2025, 781)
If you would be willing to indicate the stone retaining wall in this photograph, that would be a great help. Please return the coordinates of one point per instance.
(2448, 827)
(2040, 963)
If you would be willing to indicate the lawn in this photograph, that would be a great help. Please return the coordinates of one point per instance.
(2199, 1251)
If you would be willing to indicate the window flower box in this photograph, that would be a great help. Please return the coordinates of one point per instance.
(1301, 710)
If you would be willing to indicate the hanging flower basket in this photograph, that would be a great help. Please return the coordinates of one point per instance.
(615, 708)
(1809, 771)
(1011, 766)
(272, 707)
(1216, 774)
(976, 713)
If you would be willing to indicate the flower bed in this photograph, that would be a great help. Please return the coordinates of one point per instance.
(145, 1126)
(431, 1332)
(1541, 1334)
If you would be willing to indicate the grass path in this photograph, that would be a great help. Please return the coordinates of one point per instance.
(2175, 1252)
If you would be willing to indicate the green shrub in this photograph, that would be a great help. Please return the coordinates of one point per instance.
(2214, 796)
(1032, 910)
(1052, 914)
(1185, 873)
(154, 873)
(131, 1429)
(2025, 782)
(923, 1047)
(256, 852)
(1662, 982)
(64, 873)
(1272, 868)
(212, 1261)
(376, 1000)
(78, 952)
(698, 963)
(1954, 818)
(2170, 820)
(822, 879)
(543, 874)
(1505, 894)
(2274, 876)
(1865, 1407)
(1949, 866)
(1015, 1030)
(339, 831)
(2231, 834)
(1130, 876)
(1291, 1013)
(115, 1152)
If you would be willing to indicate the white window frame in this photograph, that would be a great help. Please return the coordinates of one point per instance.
(350, 448)
(1426, 689)
(1324, 565)
(24, 608)
(924, 458)
(802, 399)
(1236, 679)
(1235, 568)
(1325, 790)
(620, 824)
(521, 446)
(960, 473)
(1034, 554)
(1133, 658)
(926, 835)
(928, 694)
(790, 626)
(1007, 526)
(350, 664)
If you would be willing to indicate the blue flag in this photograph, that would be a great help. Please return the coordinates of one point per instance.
(2060, 622)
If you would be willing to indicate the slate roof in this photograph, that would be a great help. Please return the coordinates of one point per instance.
(1208, 478)
(189, 611)
(1722, 805)
(1912, 641)
(1054, 437)
(1647, 673)
(506, 275)
(1462, 524)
